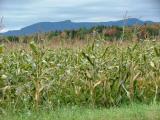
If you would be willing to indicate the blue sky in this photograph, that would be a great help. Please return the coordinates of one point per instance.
(20, 13)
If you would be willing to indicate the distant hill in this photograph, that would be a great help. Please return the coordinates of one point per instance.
(69, 25)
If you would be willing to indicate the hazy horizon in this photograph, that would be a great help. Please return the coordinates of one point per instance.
(19, 13)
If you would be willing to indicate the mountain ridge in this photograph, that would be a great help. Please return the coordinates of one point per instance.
(69, 25)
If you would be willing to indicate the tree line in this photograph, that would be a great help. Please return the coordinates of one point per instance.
(110, 33)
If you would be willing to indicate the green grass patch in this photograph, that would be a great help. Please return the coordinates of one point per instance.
(131, 112)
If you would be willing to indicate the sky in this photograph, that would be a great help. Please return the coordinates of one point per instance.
(20, 13)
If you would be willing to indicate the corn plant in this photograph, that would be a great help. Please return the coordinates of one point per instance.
(96, 75)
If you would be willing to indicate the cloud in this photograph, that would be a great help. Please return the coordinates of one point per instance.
(20, 13)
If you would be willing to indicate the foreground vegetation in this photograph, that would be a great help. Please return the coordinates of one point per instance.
(131, 112)
(97, 75)
(39, 82)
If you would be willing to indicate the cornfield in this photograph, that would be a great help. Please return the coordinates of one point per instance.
(95, 75)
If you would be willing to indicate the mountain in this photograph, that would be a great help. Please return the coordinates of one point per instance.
(69, 25)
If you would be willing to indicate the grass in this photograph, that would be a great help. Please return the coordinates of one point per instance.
(131, 112)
